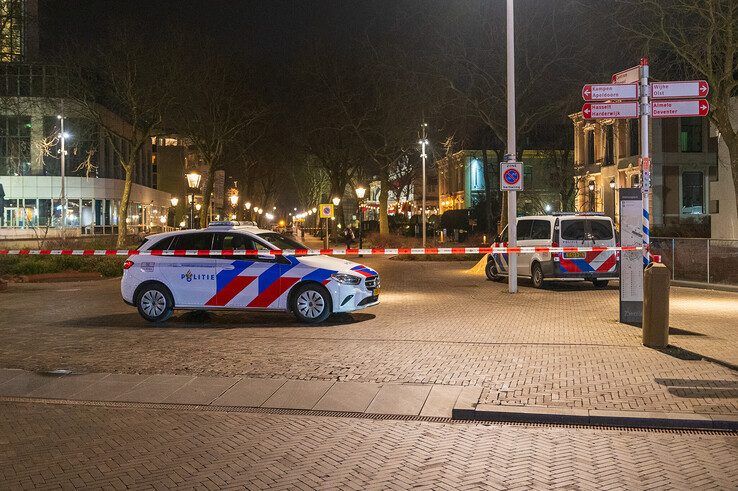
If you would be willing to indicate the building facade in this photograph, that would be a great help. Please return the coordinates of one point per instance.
(461, 182)
(34, 104)
(684, 166)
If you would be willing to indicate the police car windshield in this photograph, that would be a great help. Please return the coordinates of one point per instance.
(280, 241)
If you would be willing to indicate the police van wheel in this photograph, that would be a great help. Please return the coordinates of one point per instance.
(600, 283)
(155, 303)
(311, 303)
(491, 271)
(536, 275)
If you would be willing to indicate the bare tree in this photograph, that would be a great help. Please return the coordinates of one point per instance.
(120, 76)
(694, 38)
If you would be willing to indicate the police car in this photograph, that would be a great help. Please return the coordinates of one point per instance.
(561, 230)
(311, 287)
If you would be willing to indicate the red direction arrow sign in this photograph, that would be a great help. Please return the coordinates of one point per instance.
(629, 76)
(608, 92)
(687, 89)
(616, 110)
(677, 109)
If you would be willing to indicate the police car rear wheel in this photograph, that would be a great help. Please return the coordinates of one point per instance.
(536, 276)
(311, 304)
(155, 303)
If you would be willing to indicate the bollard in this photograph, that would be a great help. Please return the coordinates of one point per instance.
(656, 306)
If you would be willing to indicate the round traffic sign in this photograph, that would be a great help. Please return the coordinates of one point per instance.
(326, 210)
(511, 176)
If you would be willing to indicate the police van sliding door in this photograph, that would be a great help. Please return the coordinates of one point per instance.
(191, 278)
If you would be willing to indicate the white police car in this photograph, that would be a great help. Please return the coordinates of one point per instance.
(311, 287)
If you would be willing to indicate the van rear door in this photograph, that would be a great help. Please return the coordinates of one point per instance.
(595, 231)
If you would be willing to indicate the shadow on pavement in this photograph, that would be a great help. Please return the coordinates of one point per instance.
(716, 389)
(211, 320)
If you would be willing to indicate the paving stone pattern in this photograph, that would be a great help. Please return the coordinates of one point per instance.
(560, 347)
(51, 447)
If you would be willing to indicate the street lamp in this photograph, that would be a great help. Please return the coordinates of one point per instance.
(234, 200)
(360, 193)
(336, 201)
(193, 181)
(423, 155)
(591, 187)
(614, 201)
(174, 201)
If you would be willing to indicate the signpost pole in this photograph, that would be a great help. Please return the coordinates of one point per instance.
(325, 233)
(645, 156)
(511, 152)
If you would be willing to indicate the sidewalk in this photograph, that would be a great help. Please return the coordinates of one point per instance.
(419, 400)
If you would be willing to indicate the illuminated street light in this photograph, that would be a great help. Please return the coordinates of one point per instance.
(174, 201)
(612, 183)
(314, 210)
(547, 208)
(336, 201)
(198, 206)
(360, 192)
(247, 205)
(234, 200)
(163, 219)
(193, 179)
(591, 185)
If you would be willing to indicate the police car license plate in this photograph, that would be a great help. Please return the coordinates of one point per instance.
(574, 255)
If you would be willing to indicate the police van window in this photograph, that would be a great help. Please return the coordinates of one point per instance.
(572, 229)
(541, 230)
(600, 229)
(524, 229)
(233, 241)
(162, 245)
(196, 241)
(281, 242)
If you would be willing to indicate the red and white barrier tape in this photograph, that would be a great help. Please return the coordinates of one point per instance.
(309, 252)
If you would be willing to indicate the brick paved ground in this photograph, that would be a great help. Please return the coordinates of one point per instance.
(560, 346)
(48, 447)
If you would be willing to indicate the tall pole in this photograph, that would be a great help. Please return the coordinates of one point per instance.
(424, 142)
(62, 163)
(645, 173)
(512, 228)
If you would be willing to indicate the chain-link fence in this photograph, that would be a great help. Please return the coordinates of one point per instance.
(702, 260)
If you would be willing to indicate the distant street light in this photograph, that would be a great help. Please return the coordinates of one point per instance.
(314, 210)
(174, 201)
(336, 201)
(193, 181)
(360, 193)
(234, 200)
(547, 208)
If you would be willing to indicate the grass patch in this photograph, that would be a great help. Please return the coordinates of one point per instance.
(108, 267)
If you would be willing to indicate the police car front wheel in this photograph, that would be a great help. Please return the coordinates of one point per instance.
(311, 303)
(154, 303)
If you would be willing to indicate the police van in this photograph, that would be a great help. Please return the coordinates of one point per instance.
(561, 230)
(311, 287)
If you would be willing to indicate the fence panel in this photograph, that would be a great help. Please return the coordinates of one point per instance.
(724, 261)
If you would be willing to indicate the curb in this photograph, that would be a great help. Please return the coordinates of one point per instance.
(596, 417)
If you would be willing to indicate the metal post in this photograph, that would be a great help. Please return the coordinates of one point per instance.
(645, 111)
(63, 164)
(325, 235)
(673, 259)
(512, 228)
(708, 260)
(424, 142)
(361, 225)
(192, 211)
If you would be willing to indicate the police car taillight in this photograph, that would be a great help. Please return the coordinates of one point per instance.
(127, 264)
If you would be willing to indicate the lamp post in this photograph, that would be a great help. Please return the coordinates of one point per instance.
(173, 201)
(360, 193)
(423, 143)
(234, 202)
(247, 206)
(193, 181)
(62, 162)
(591, 187)
(614, 202)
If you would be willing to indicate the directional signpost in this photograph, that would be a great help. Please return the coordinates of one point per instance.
(629, 96)
(688, 89)
(679, 109)
(608, 92)
(629, 76)
(611, 110)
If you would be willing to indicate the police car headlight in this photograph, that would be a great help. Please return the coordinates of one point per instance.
(346, 279)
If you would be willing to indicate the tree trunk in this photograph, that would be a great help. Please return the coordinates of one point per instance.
(123, 208)
(732, 144)
(487, 192)
(207, 190)
(383, 198)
